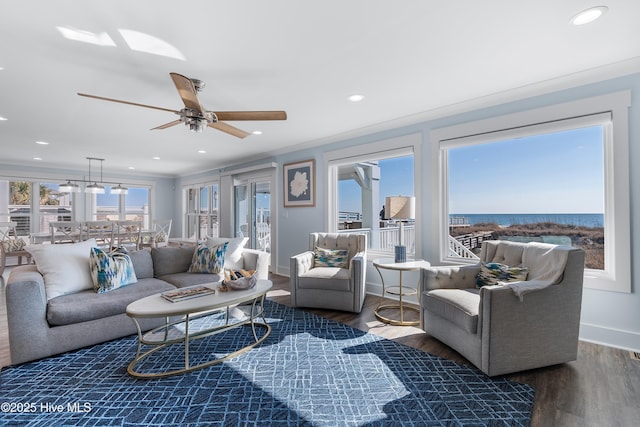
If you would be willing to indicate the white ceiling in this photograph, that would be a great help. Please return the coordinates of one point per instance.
(409, 58)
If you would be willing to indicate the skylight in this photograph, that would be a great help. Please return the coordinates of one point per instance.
(99, 39)
(142, 42)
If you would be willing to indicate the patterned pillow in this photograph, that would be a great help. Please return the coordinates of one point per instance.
(331, 257)
(110, 271)
(208, 259)
(13, 245)
(493, 273)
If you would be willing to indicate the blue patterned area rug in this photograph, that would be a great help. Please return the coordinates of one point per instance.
(309, 372)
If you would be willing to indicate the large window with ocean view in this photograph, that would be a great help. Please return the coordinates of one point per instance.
(557, 174)
(542, 188)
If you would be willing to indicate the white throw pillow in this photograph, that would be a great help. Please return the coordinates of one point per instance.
(65, 267)
(233, 256)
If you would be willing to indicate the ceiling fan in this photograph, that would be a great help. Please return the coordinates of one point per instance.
(195, 117)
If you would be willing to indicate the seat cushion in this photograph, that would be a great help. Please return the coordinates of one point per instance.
(181, 280)
(87, 305)
(330, 278)
(459, 306)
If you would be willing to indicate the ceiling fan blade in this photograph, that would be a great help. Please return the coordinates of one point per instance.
(187, 91)
(251, 115)
(128, 103)
(168, 125)
(232, 130)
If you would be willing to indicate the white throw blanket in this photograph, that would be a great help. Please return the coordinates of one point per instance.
(546, 267)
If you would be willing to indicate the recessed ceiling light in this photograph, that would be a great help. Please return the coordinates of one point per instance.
(42, 143)
(202, 151)
(37, 158)
(131, 168)
(3, 118)
(156, 158)
(356, 98)
(257, 132)
(589, 15)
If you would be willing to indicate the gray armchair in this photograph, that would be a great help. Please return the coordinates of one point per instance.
(330, 287)
(508, 327)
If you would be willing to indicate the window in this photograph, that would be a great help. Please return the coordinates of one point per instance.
(547, 187)
(17, 199)
(360, 178)
(131, 206)
(201, 211)
(543, 175)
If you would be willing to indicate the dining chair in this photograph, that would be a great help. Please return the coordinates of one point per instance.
(102, 231)
(126, 234)
(12, 244)
(65, 231)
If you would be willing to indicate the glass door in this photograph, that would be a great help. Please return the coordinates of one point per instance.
(252, 213)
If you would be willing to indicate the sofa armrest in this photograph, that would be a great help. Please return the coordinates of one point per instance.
(253, 259)
(26, 302)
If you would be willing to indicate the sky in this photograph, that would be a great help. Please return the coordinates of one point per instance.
(560, 172)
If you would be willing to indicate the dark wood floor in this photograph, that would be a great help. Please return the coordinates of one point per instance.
(601, 388)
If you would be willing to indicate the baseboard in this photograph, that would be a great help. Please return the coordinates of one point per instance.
(610, 337)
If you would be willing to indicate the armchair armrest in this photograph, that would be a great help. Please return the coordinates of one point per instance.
(301, 263)
(540, 330)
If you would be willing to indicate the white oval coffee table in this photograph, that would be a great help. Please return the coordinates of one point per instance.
(179, 316)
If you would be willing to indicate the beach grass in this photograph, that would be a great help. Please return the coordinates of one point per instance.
(590, 239)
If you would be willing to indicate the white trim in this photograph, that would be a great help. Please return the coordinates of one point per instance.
(617, 276)
(596, 334)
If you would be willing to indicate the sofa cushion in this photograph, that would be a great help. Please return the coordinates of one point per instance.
(65, 268)
(316, 278)
(87, 305)
(233, 256)
(170, 260)
(459, 306)
(142, 263)
(110, 271)
(208, 260)
(181, 280)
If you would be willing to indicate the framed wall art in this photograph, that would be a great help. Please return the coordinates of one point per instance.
(300, 184)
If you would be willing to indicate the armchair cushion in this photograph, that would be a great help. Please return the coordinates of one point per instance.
(316, 278)
(459, 306)
(494, 273)
(331, 258)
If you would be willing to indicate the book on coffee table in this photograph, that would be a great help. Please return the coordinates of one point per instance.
(187, 293)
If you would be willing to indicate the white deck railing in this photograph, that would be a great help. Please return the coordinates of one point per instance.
(457, 249)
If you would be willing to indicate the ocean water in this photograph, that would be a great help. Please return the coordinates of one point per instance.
(583, 220)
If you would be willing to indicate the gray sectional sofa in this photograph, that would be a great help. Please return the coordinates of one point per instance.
(39, 327)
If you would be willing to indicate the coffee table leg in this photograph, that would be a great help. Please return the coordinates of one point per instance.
(186, 343)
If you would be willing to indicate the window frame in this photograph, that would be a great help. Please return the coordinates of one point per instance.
(382, 149)
(581, 113)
